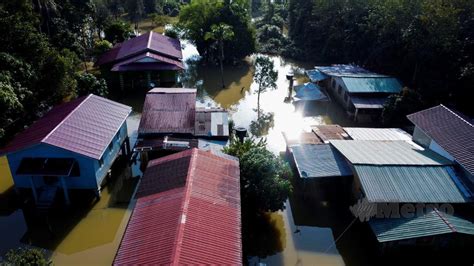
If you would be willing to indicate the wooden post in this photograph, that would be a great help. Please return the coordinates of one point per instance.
(35, 195)
(66, 193)
(355, 115)
(122, 85)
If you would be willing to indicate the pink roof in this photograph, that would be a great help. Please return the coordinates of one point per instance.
(168, 110)
(150, 42)
(185, 217)
(163, 62)
(85, 125)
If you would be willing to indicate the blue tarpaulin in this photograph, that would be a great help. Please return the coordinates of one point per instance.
(310, 92)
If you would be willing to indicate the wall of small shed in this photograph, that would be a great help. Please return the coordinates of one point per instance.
(339, 96)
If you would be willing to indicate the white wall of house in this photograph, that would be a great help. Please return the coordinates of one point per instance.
(438, 149)
(339, 90)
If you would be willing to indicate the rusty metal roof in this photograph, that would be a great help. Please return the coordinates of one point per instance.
(168, 110)
(150, 42)
(453, 132)
(301, 138)
(330, 132)
(85, 125)
(187, 213)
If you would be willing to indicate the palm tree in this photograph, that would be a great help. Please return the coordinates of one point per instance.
(220, 33)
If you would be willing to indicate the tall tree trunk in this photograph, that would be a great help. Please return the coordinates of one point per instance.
(258, 103)
(221, 61)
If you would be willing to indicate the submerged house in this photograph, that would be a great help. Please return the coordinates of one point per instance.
(71, 147)
(449, 134)
(145, 61)
(396, 172)
(171, 121)
(359, 91)
(187, 213)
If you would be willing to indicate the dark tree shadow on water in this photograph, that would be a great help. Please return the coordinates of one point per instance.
(262, 125)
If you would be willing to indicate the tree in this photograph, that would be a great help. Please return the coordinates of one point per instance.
(198, 17)
(136, 10)
(264, 178)
(88, 83)
(101, 47)
(117, 31)
(220, 33)
(265, 76)
(397, 107)
(26, 256)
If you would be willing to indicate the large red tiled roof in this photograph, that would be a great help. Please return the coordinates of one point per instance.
(85, 125)
(452, 131)
(150, 42)
(168, 110)
(185, 223)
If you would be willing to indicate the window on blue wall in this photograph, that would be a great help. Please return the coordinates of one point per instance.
(101, 162)
(111, 146)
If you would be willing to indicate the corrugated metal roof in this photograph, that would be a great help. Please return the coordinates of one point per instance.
(365, 133)
(330, 132)
(368, 102)
(387, 153)
(346, 71)
(319, 160)
(372, 84)
(133, 63)
(310, 92)
(197, 222)
(434, 222)
(168, 110)
(451, 131)
(149, 42)
(424, 184)
(316, 75)
(85, 126)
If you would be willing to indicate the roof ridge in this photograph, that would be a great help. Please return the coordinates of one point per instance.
(187, 195)
(457, 115)
(64, 119)
(445, 220)
(148, 45)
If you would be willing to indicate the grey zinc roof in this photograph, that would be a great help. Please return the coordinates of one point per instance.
(424, 184)
(433, 222)
(372, 84)
(386, 153)
(453, 132)
(319, 160)
(364, 133)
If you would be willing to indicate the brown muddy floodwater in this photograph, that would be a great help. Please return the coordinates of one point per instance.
(305, 233)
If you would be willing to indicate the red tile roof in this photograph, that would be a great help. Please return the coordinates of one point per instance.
(168, 110)
(185, 221)
(453, 132)
(85, 125)
(150, 42)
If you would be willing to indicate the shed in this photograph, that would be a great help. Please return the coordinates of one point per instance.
(212, 123)
(70, 147)
(168, 111)
(151, 58)
(187, 213)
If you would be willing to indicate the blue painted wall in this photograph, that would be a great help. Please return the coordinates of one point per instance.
(92, 171)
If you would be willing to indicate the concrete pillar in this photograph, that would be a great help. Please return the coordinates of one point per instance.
(66, 193)
(35, 195)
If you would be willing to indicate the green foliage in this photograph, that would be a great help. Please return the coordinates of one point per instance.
(264, 178)
(265, 76)
(399, 106)
(100, 47)
(159, 20)
(88, 83)
(262, 125)
(172, 33)
(199, 16)
(271, 39)
(117, 31)
(26, 257)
